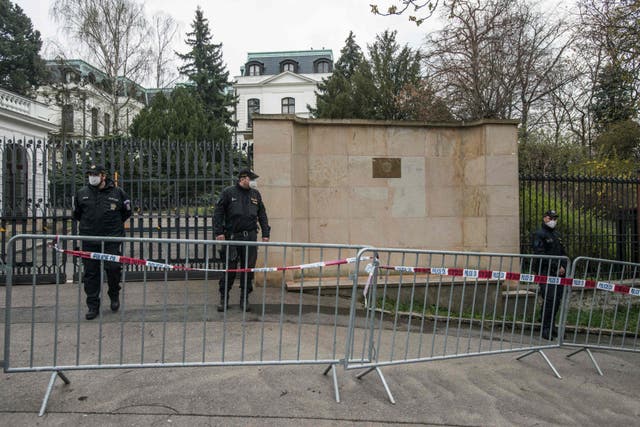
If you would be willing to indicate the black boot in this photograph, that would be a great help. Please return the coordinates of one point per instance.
(244, 303)
(224, 304)
(115, 303)
(92, 313)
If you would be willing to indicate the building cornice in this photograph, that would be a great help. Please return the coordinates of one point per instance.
(271, 80)
(24, 110)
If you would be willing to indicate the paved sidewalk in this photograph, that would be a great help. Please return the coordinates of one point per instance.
(486, 390)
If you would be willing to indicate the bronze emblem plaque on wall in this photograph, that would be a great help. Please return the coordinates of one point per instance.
(385, 167)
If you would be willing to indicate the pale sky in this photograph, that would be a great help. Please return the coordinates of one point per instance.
(262, 26)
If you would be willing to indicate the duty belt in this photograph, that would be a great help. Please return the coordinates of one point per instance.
(243, 233)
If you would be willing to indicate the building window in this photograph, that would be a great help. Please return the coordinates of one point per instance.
(94, 122)
(67, 118)
(254, 68)
(107, 124)
(289, 65)
(322, 66)
(288, 106)
(253, 107)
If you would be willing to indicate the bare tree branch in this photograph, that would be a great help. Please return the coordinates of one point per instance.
(165, 29)
(116, 35)
(426, 7)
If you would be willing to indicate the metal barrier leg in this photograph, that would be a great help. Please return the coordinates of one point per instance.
(335, 382)
(50, 388)
(546, 359)
(359, 376)
(593, 359)
(384, 382)
(386, 387)
(332, 368)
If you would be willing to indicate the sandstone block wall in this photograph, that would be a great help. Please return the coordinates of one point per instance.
(456, 187)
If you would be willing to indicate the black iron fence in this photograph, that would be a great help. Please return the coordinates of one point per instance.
(173, 187)
(598, 215)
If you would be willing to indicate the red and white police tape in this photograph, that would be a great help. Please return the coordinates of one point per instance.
(521, 277)
(99, 256)
(440, 271)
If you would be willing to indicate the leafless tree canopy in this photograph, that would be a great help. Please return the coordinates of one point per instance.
(498, 59)
(116, 35)
(165, 29)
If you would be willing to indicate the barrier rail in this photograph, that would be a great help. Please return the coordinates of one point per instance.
(603, 310)
(433, 305)
(176, 324)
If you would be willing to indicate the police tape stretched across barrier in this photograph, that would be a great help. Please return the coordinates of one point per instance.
(441, 271)
(99, 256)
(521, 277)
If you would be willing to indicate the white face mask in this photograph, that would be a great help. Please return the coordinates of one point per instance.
(94, 180)
(253, 184)
(552, 223)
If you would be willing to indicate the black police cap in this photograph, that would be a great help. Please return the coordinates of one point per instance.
(551, 213)
(95, 168)
(247, 172)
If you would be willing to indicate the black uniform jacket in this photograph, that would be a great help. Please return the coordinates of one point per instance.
(101, 212)
(546, 241)
(239, 209)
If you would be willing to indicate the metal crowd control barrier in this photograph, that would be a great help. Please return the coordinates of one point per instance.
(432, 305)
(603, 309)
(164, 323)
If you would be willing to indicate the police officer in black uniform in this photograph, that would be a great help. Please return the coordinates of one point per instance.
(546, 241)
(238, 212)
(101, 208)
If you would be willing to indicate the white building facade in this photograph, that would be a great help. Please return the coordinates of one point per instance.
(278, 83)
(24, 128)
(80, 102)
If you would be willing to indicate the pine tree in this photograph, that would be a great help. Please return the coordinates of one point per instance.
(612, 98)
(369, 88)
(336, 97)
(205, 69)
(21, 67)
(392, 69)
(179, 117)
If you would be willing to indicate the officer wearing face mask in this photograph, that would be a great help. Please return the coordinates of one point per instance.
(546, 241)
(238, 212)
(101, 209)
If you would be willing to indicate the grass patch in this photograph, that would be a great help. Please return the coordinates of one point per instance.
(624, 319)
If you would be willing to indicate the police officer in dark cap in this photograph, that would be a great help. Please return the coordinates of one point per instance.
(238, 212)
(101, 208)
(546, 241)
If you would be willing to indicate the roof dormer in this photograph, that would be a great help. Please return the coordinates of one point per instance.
(289, 65)
(254, 68)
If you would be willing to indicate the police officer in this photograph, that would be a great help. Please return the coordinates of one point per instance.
(238, 212)
(546, 241)
(101, 208)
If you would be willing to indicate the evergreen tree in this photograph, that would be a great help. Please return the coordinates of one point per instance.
(620, 140)
(613, 100)
(392, 69)
(21, 67)
(351, 57)
(181, 117)
(204, 67)
(336, 97)
(370, 88)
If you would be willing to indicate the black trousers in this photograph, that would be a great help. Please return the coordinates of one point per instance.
(91, 277)
(551, 301)
(239, 256)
